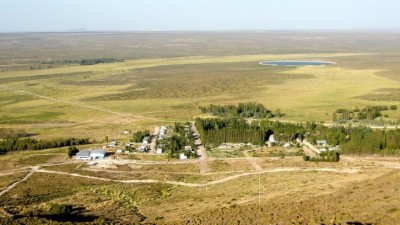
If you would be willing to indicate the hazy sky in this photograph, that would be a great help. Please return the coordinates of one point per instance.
(165, 15)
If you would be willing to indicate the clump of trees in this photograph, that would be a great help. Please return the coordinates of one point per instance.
(365, 141)
(100, 60)
(140, 135)
(71, 151)
(18, 144)
(367, 113)
(328, 156)
(217, 130)
(243, 110)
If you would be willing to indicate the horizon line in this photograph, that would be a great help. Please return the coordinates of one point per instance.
(346, 30)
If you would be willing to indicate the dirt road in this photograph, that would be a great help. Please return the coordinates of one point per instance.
(154, 140)
(201, 151)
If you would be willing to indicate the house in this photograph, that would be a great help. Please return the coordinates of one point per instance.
(322, 143)
(97, 154)
(91, 154)
(182, 156)
(119, 151)
(159, 151)
(83, 155)
(188, 148)
(145, 142)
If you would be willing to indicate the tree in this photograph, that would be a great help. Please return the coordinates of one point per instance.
(72, 150)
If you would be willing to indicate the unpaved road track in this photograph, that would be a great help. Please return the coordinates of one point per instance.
(201, 151)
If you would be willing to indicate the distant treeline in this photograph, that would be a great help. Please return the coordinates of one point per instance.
(100, 60)
(18, 144)
(367, 113)
(243, 110)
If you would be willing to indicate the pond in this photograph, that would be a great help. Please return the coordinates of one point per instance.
(296, 63)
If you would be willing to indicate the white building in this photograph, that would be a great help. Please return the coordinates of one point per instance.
(98, 154)
(91, 154)
(182, 156)
(159, 151)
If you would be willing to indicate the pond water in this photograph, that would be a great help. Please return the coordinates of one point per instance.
(296, 63)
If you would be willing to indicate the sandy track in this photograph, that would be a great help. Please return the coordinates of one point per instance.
(16, 183)
(252, 162)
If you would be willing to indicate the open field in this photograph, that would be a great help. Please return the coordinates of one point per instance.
(176, 192)
(164, 79)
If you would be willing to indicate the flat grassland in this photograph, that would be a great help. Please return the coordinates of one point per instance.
(165, 78)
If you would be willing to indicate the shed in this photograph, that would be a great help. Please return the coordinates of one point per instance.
(83, 155)
(182, 156)
(159, 151)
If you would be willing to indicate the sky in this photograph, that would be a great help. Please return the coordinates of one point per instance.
(197, 15)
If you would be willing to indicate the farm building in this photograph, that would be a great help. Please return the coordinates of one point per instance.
(83, 155)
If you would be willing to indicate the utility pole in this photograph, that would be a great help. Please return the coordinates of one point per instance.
(259, 192)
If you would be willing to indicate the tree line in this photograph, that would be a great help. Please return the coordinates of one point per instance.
(359, 140)
(243, 110)
(99, 60)
(215, 131)
(20, 144)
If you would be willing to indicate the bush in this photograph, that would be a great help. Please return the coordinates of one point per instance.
(57, 209)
